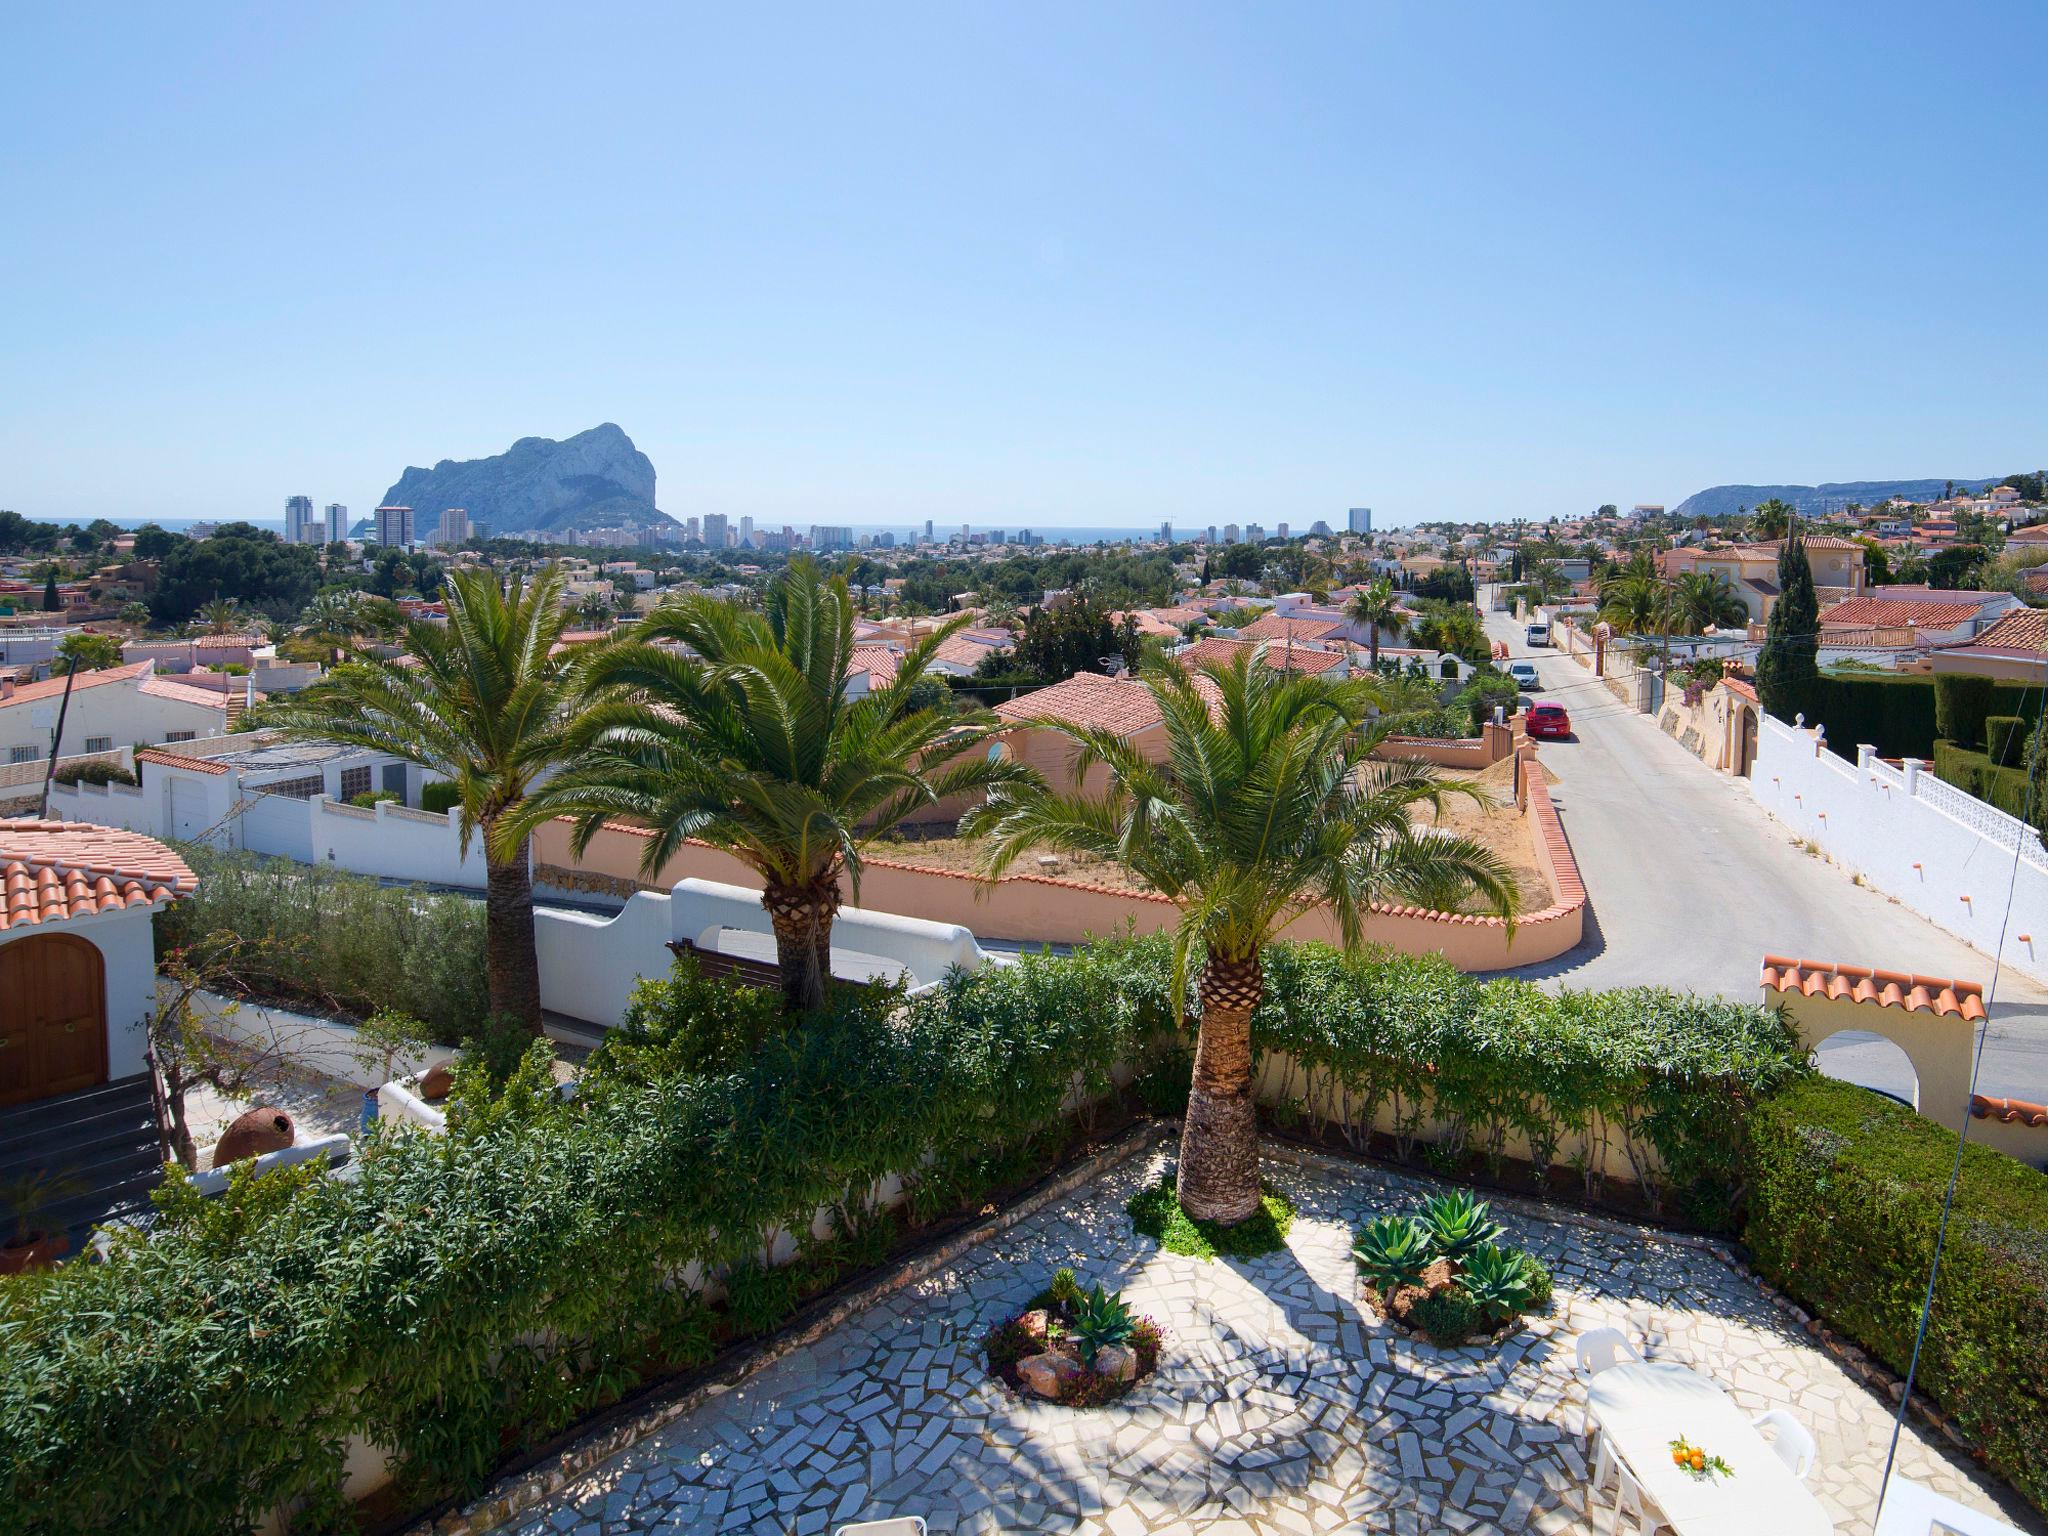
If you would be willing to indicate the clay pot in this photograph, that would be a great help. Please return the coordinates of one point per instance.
(437, 1082)
(262, 1129)
(39, 1252)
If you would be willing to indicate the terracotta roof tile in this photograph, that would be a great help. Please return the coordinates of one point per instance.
(1287, 658)
(53, 687)
(179, 760)
(1118, 704)
(51, 871)
(1928, 612)
(1887, 989)
(2024, 629)
(1273, 626)
(193, 693)
(2011, 1111)
(878, 661)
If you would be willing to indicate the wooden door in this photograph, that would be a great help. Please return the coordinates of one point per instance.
(53, 1017)
(1746, 752)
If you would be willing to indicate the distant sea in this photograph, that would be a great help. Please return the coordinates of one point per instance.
(903, 531)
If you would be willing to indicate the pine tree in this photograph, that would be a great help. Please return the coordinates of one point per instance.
(1787, 669)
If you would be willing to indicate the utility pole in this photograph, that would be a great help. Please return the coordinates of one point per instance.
(57, 736)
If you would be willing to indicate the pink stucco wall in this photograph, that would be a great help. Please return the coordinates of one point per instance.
(1040, 907)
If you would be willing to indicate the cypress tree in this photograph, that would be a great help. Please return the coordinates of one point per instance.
(51, 601)
(1787, 668)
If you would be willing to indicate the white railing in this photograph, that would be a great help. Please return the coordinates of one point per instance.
(1987, 821)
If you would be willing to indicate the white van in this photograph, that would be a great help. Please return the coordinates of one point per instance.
(1539, 632)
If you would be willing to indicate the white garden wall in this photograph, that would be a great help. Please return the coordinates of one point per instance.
(1926, 844)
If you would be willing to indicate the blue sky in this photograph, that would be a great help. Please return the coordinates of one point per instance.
(1052, 264)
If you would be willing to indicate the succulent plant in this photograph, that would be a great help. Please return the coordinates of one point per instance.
(1457, 1224)
(1100, 1320)
(1500, 1281)
(1065, 1289)
(1392, 1252)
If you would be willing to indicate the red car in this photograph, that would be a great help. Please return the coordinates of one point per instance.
(1549, 722)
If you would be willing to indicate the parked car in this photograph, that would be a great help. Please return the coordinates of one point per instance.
(1524, 674)
(1549, 721)
(1539, 634)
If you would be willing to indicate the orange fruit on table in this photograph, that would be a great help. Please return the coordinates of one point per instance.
(1680, 1457)
(1699, 1461)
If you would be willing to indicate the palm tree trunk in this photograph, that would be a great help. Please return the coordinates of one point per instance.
(511, 964)
(1373, 639)
(1219, 1141)
(801, 916)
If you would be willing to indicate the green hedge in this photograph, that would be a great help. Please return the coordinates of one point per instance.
(2005, 739)
(466, 1295)
(439, 796)
(1845, 1196)
(342, 942)
(1964, 705)
(1895, 714)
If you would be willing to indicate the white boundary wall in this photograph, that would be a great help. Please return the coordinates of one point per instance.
(1926, 844)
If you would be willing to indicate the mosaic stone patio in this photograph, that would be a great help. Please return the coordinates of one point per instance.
(1280, 1405)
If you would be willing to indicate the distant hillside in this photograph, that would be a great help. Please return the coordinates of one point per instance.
(596, 479)
(1727, 500)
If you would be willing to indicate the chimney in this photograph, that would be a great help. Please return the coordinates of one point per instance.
(6, 686)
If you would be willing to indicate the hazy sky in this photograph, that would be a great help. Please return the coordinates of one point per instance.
(1052, 264)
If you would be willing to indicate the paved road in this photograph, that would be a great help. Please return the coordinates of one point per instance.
(1692, 884)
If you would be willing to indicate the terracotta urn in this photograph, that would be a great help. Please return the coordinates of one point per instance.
(436, 1082)
(38, 1251)
(260, 1130)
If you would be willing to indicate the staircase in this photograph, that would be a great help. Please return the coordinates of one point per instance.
(102, 1142)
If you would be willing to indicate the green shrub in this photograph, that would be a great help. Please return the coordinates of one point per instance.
(1961, 705)
(1893, 713)
(370, 797)
(439, 796)
(95, 773)
(1156, 1213)
(685, 1022)
(1845, 1196)
(467, 1295)
(1486, 689)
(1449, 1316)
(2005, 739)
(1974, 773)
(343, 942)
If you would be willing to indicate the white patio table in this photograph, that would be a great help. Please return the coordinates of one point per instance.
(1643, 1408)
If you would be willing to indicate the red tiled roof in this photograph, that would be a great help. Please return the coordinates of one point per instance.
(192, 693)
(179, 760)
(51, 871)
(2024, 629)
(878, 661)
(1887, 989)
(53, 687)
(965, 650)
(1273, 626)
(1876, 611)
(2011, 1111)
(1118, 704)
(1286, 658)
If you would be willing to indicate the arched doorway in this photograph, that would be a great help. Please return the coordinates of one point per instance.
(1745, 740)
(53, 1029)
(1871, 1061)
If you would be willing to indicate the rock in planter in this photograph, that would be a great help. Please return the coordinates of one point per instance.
(1047, 1375)
(262, 1129)
(1036, 1322)
(1115, 1362)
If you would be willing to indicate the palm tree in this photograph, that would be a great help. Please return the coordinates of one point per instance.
(714, 722)
(481, 700)
(595, 610)
(1373, 606)
(1265, 805)
(335, 619)
(220, 616)
(1633, 600)
(1771, 519)
(1698, 601)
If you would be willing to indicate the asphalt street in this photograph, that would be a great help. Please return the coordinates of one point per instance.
(1691, 884)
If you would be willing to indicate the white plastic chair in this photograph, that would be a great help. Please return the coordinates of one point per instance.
(1790, 1439)
(900, 1525)
(1603, 1348)
(1630, 1499)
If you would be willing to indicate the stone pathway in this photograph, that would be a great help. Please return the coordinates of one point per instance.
(1280, 1406)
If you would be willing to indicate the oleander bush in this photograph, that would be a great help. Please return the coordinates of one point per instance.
(1845, 1197)
(98, 771)
(341, 942)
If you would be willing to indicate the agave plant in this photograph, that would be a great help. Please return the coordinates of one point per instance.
(1500, 1281)
(1392, 1252)
(1457, 1224)
(1100, 1320)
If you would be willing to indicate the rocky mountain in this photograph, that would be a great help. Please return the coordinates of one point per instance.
(596, 479)
(1813, 500)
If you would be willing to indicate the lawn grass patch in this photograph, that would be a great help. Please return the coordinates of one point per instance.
(1156, 1212)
